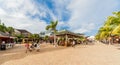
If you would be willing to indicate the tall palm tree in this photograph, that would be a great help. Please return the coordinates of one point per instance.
(52, 27)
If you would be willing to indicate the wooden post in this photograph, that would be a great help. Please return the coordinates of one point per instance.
(66, 40)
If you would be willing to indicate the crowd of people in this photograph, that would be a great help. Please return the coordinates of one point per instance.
(32, 47)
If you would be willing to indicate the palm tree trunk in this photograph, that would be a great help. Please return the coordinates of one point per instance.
(109, 41)
(55, 40)
(110, 38)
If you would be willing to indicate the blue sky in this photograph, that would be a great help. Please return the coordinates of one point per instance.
(80, 16)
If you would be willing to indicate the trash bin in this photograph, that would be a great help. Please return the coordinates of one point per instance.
(3, 47)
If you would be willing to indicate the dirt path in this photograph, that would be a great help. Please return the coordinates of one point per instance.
(98, 54)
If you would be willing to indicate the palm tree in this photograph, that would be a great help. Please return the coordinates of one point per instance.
(116, 31)
(104, 33)
(46, 38)
(19, 38)
(34, 37)
(52, 27)
(10, 30)
(110, 27)
(3, 28)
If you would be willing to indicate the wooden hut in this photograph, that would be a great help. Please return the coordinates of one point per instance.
(68, 36)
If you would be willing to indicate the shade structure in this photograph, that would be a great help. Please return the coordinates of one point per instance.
(5, 37)
(66, 32)
(67, 35)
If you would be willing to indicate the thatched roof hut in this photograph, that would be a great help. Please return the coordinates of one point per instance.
(68, 35)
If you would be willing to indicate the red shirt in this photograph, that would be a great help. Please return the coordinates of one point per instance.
(27, 45)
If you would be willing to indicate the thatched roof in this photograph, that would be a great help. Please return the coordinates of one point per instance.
(66, 32)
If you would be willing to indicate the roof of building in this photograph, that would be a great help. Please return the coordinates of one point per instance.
(64, 32)
(23, 31)
(2, 34)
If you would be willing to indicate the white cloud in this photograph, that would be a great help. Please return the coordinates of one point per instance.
(54, 17)
(62, 25)
(60, 8)
(14, 13)
(87, 14)
(85, 28)
(79, 9)
(2, 12)
(32, 25)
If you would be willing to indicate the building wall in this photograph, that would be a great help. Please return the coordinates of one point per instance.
(17, 32)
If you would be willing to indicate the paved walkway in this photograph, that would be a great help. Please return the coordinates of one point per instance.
(98, 54)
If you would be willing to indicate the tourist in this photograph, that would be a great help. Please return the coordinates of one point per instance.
(27, 47)
(3, 46)
(32, 47)
(35, 44)
(73, 43)
(37, 47)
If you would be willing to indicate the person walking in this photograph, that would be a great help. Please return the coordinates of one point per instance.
(38, 47)
(32, 47)
(27, 47)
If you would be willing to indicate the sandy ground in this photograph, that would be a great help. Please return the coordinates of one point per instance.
(18, 52)
(97, 54)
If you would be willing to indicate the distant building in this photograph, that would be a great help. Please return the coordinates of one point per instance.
(23, 32)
